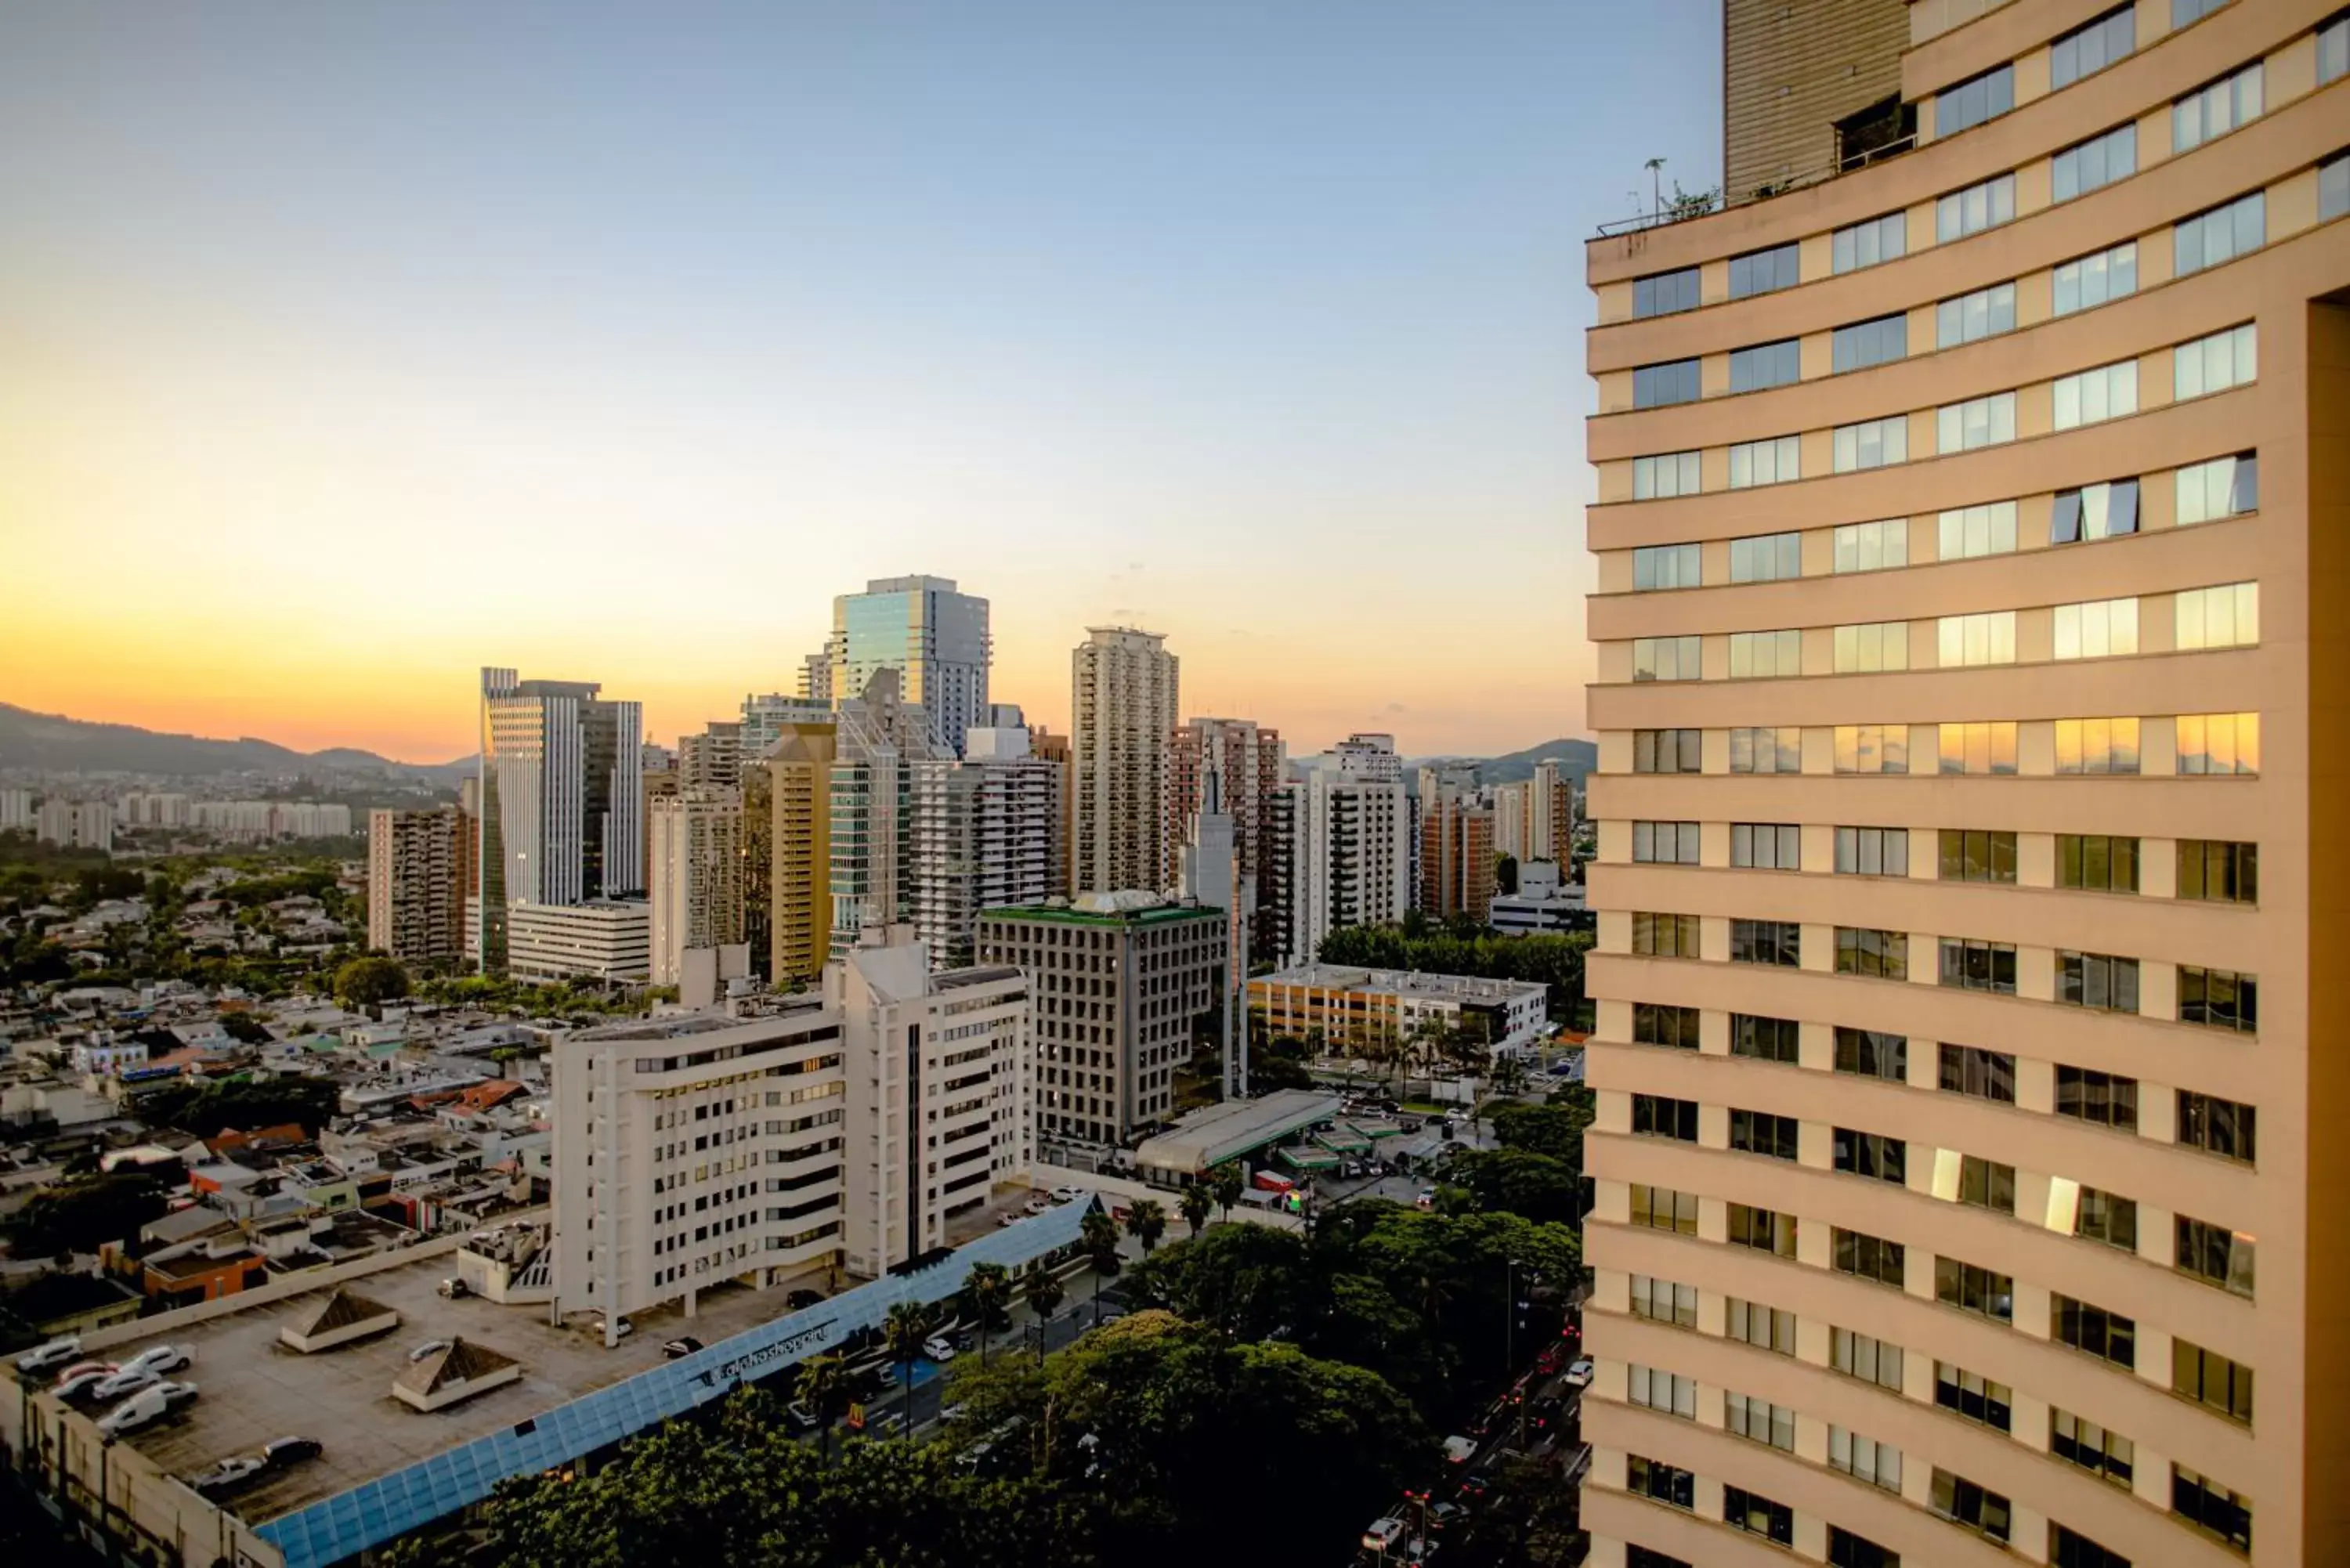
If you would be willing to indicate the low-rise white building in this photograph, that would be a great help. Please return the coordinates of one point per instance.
(1542, 905)
(695, 1149)
(1350, 1007)
(609, 941)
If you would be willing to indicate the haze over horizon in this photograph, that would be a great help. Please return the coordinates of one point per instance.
(357, 347)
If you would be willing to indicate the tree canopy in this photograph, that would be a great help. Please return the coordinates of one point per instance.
(84, 1216)
(1556, 961)
(206, 1108)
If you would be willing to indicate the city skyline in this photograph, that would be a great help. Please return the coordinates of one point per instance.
(1094, 312)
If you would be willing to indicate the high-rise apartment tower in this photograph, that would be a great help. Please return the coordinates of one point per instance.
(1124, 691)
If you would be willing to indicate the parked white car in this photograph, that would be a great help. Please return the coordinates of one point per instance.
(129, 1380)
(1578, 1375)
(147, 1404)
(228, 1473)
(161, 1358)
(56, 1352)
(939, 1348)
(1382, 1535)
(1068, 1194)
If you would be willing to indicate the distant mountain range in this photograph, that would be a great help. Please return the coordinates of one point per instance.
(55, 744)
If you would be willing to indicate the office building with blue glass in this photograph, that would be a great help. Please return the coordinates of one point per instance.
(935, 636)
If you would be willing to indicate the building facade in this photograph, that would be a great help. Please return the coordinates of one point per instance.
(695, 1150)
(1347, 825)
(607, 941)
(1456, 846)
(696, 897)
(981, 836)
(1785, 121)
(1123, 985)
(940, 1097)
(798, 781)
(1125, 690)
(878, 737)
(1370, 1008)
(1541, 906)
(416, 888)
(1962, 889)
(16, 810)
(934, 635)
(562, 801)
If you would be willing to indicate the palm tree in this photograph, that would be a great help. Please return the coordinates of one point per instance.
(1146, 1222)
(1196, 1203)
(824, 1388)
(987, 1294)
(903, 1332)
(1227, 1183)
(1099, 1233)
(1042, 1290)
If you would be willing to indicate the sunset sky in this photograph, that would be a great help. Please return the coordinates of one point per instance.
(344, 348)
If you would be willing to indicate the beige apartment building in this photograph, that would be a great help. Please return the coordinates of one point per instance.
(1968, 1106)
(416, 876)
(1124, 696)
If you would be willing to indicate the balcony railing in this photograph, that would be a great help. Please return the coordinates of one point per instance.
(1865, 139)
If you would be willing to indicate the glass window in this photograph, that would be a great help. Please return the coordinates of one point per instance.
(1972, 1288)
(1868, 649)
(1662, 1209)
(1668, 658)
(1765, 654)
(1759, 1132)
(1665, 936)
(1765, 1039)
(2228, 615)
(1663, 1391)
(1764, 365)
(1665, 843)
(1872, 546)
(1655, 1479)
(1884, 955)
(2092, 280)
(2219, 744)
(1872, 443)
(2219, 870)
(2333, 48)
(1766, 750)
(1655, 386)
(1778, 942)
(2222, 487)
(2334, 187)
(2086, 165)
(1982, 1075)
(1972, 531)
(1773, 461)
(1974, 100)
(2108, 1335)
(1667, 751)
(1878, 1464)
(1764, 272)
(2218, 999)
(1977, 748)
(1971, 1507)
(1872, 1054)
(1866, 343)
(1656, 566)
(1761, 1230)
(2216, 1254)
(1871, 748)
(2097, 745)
(1975, 209)
(1872, 851)
(1663, 1301)
(2091, 1447)
(1766, 846)
(2102, 1216)
(2224, 1127)
(1967, 640)
(1985, 313)
(1977, 854)
(1655, 1115)
(1869, 1257)
(1759, 1420)
(2107, 1099)
(1974, 1396)
(1664, 292)
(1661, 478)
(2210, 1378)
(2214, 110)
(2182, 11)
(2094, 512)
(1766, 557)
(2202, 1502)
(2222, 234)
(2091, 397)
(1757, 1514)
(2096, 980)
(1866, 243)
(2101, 628)
(1861, 1355)
(1977, 423)
(2091, 46)
(2096, 862)
(1654, 1023)
(1873, 1154)
(1973, 965)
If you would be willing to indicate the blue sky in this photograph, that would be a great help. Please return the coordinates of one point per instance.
(611, 341)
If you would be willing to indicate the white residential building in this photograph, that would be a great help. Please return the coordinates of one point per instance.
(982, 837)
(694, 1149)
(607, 941)
(1542, 905)
(1349, 833)
(940, 1100)
(1125, 690)
(696, 897)
(75, 824)
(15, 809)
(878, 737)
